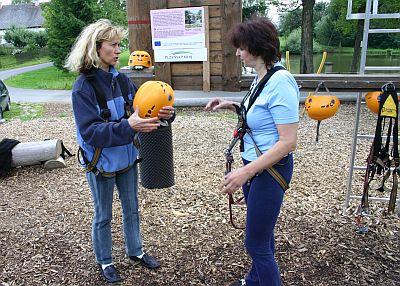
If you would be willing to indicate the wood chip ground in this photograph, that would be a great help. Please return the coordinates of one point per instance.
(45, 216)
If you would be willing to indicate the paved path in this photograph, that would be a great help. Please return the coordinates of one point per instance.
(34, 95)
(182, 97)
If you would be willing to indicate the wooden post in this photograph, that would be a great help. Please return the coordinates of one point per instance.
(231, 72)
(206, 64)
(139, 26)
(162, 70)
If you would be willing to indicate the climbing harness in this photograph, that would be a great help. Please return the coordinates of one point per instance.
(105, 113)
(383, 158)
(241, 129)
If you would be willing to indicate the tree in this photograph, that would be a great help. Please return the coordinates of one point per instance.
(306, 60)
(291, 20)
(113, 10)
(64, 20)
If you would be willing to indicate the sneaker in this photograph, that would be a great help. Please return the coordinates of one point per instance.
(239, 282)
(146, 260)
(110, 274)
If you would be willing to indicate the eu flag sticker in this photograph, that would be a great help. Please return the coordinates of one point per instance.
(157, 43)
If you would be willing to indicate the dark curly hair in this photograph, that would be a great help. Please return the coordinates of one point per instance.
(259, 36)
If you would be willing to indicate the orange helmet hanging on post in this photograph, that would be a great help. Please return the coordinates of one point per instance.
(372, 100)
(320, 107)
(152, 96)
(139, 60)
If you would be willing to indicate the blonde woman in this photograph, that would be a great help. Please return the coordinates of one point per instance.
(106, 125)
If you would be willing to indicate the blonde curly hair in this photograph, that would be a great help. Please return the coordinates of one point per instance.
(83, 55)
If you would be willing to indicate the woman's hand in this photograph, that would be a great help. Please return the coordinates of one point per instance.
(142, 124)
(219, 103)
(234, 180)
(166, 112)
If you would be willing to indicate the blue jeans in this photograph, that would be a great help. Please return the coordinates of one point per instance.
(264, 198)
(102, 194)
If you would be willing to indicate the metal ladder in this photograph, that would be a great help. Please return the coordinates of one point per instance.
(367, 16)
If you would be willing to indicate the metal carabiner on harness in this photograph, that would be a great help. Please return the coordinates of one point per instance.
(231, 200)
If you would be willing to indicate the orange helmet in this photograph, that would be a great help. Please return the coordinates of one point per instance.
(372, 100)
(139, 60)
(322, 106)
(152, 96)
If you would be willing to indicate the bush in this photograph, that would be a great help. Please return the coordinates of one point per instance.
(293, 43)
(5, 50)
(40, 39)
(18, 37)
(21, 38)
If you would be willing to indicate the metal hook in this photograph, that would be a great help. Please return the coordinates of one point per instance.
(321, 84)
(388, 87)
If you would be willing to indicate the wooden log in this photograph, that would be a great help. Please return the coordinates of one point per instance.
(54, 164)
(33, 153)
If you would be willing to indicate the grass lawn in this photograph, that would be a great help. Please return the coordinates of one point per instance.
(47, 78)
(9, 62)
(50, 78)
(24, 111)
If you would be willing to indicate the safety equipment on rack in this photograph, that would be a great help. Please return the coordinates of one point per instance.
(139, 60)
(152, 96)
(372, 100)
(241, 129)
(383, 159)
(320, 107)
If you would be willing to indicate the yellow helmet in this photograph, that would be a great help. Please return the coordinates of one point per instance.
(322, 106)
(152, 96)
(372, 100)
(139, 60)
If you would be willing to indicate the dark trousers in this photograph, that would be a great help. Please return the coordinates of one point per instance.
(264, 198)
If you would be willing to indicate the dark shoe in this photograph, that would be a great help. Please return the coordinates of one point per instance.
(146, 260)
(239, 282)
(110, 274)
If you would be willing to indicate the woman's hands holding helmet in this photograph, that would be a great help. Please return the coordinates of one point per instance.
(142, 124)
(166, 112)
(219, 103)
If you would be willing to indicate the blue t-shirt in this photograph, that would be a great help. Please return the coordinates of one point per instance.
(278, 103)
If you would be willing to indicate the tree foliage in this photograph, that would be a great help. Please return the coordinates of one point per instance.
(291, 20)
(113, 10)
(64, 20)
(16, 2)
(23, 38)
(347, 29)
(252, 8)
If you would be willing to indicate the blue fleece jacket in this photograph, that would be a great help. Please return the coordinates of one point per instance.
(116, 138)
